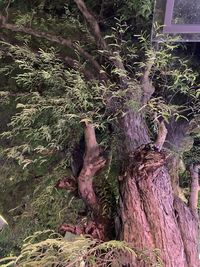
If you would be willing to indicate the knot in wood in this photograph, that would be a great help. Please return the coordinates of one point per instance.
(146, 162)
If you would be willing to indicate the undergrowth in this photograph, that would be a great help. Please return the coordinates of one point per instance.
(48, 249)
(33, 204)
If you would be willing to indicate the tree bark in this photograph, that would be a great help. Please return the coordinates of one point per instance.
(152, 218)
(93, 162)
(188, 225)
(193, 200)
(134, 130)
(147, 210)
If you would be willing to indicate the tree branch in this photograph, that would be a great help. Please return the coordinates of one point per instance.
(93, 24)
(77, 66)
(146, 83)
(193, 200)
(53, 38)
(161, 136)
(71, 62)
(90, 141)
(7, 7)
(114, 57)
(93, 162)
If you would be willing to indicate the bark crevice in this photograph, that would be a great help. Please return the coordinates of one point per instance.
(148, 201)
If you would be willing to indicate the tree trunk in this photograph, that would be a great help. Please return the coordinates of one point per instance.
(151, 217)
(188, 224)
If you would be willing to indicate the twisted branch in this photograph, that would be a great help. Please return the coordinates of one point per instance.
(93, 162)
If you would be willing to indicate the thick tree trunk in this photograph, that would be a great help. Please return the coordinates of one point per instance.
(188, 225)
(148, 216)
(151, 217)
(135, 131)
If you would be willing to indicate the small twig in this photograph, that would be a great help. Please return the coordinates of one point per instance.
(73, 63)
(101, 9)
(6, 9)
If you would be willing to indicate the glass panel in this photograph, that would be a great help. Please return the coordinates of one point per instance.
(176, 18)
(186, 12)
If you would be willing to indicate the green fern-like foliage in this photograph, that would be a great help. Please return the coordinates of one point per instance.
(49, 115)
(33, 203)
(49, 249)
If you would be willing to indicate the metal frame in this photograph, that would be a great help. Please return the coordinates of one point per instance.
(177, 28)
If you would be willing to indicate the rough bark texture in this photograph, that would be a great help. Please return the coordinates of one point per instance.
(135, 131)
(92, 163)
(188, 225)
(151, 217)
(147, 211)
(193, 200)
(173, 163)
(161, 137)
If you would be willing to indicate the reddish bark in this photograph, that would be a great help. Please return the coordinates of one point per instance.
(147, 205)
(68, 183)
(93, 162)
(91, 228)
(188, 225)
(149, 219)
